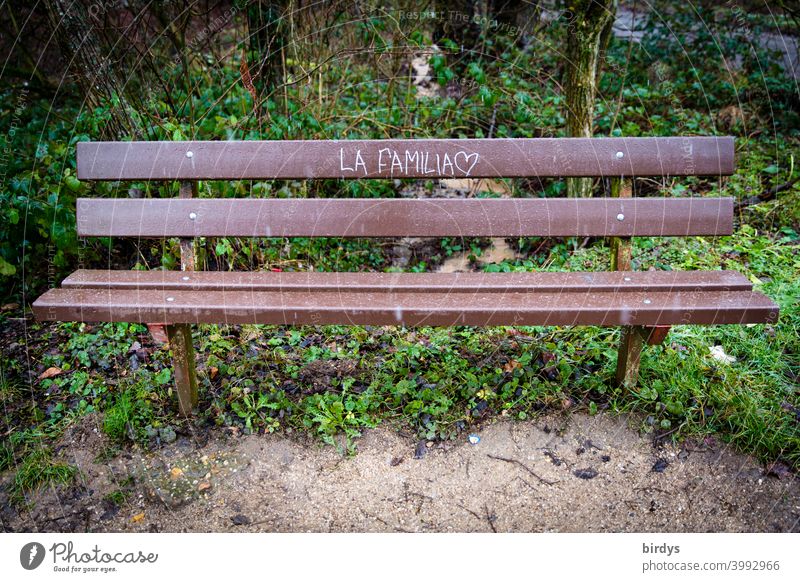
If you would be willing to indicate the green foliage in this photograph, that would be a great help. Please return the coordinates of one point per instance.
(126, 418)
(39, 469)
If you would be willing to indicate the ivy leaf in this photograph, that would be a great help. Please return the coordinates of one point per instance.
(6, 268)
(72, 183)
(164, 376)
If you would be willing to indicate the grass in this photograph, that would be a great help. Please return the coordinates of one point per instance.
(126, 418)
(38, 469)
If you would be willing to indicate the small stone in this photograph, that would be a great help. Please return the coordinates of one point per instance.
(167, 434)
(587, 473)
(660, 466)
(240, 519)
(138, 517)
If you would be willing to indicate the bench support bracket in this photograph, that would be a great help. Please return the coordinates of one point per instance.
(656, 334)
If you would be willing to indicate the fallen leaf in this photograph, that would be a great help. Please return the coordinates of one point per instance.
(511, 366)
(138, 517)
(50, 373)
(9, 306)
(212, 372)
(203, 486)
(176, 472)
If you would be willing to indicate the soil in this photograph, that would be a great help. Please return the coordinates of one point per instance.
(572, 473)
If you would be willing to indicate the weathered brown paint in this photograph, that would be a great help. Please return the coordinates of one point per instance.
(183, 366)
(400, 217)
(655, 335)
(540, 157)
(406, 308)
(628, 356)
(537, 282)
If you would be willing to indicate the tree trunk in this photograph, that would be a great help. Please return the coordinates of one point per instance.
(266, 28)
(96, 73)
(589, 23)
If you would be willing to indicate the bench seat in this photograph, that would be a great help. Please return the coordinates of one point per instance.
(646, 298)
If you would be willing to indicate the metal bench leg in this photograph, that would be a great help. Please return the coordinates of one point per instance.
(632, 337)
(180, 342)
(180, 335)
(630, 351)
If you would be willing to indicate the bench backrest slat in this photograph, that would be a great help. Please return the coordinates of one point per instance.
(336, 217)
(420, 158)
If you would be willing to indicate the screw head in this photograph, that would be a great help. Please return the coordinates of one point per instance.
(192, 215)
(185, 278)
(189, 154)
(620, 155)
(627, 278)
(170, 299)
(647, 302)
(620, 217)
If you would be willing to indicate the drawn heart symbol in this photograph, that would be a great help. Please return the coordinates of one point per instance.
(467, 157)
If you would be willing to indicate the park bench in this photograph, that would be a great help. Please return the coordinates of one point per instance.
(644, 303)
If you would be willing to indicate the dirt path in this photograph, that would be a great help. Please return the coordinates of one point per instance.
(575, 473)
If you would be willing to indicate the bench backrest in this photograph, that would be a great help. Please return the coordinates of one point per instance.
(424, 158)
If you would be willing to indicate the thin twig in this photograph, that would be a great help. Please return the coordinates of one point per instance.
(524, 466)
(490, 518)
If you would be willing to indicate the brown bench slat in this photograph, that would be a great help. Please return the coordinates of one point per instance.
(539, 282)
(399, 158)
(407, 308)
(316, 217)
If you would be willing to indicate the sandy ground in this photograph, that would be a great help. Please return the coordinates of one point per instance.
(564, 474)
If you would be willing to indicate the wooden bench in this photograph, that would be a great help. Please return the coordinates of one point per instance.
(644, 303)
